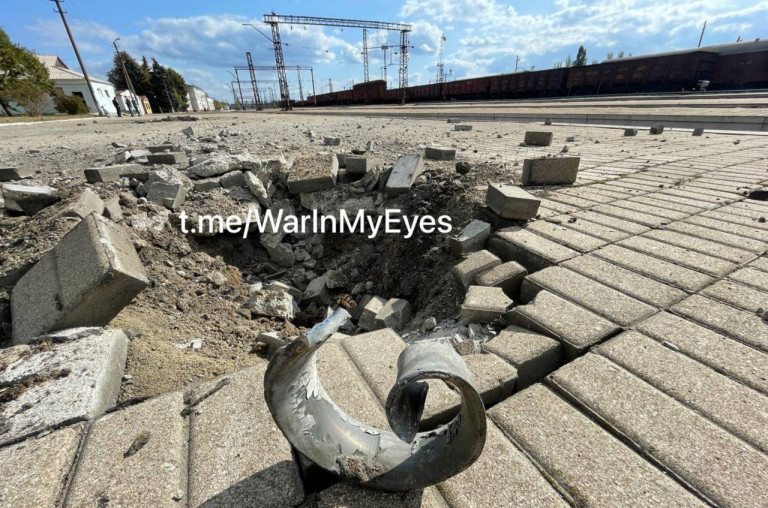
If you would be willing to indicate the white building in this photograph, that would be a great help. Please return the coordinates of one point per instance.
(198, 99)
(72, 82)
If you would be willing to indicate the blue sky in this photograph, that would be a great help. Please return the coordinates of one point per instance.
(205, 39)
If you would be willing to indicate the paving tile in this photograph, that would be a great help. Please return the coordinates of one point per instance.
(760, 264)
(575, 327)
(533, 355)
(588, 293)
(631, 215)
(738, 295)
(570, 200)
(751, 221)
(745, 326)
(237, 455)
(679, 255)
(751, 243)
(501, 476)
(568, 237)
(134, 457)
(650, 210)
(673, 199)
(611, 222)
(700, 196)
(730, 404)
(346, 495)
(648, 200)
(558, 207)
(592, 466)
(606, 233)
(75, 376)
(710, 459)
(33, 473)
(716, 249)
(751, 276)
(633, 284)
(532, 251)
(495, 378)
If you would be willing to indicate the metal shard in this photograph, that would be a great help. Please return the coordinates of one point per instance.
(401, 460)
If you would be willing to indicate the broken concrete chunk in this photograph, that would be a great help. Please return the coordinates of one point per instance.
(462, 127)
(657, 129)
(233, 179)
(112, 209)
(370, 310)
(189, 131)
(166, 188)
(511, 202)
(207, 184)
(28, 199)
(358, 165)
(439, 153)
(10, 174)
(165, 147)
(312, 174)
(484, 304)
(257, 189)
(115, 173)
(278, 304)
(208, 168)
(471, 239)
(332, 141)
(394, 314)
(85, 280)
(342, 158)
(89, 202)
(630, 132)
(697, 131)
(475, 264)
(550, 171)
(507, 276)
(405, 171)
(76, 377)
(167, 158)
(317, 292)
(536, 138)
(281, 286)
(281, 253)
(272, 340)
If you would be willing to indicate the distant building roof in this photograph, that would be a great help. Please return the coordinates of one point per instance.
(58, 70)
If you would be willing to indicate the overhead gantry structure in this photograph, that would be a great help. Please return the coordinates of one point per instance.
(274, 21)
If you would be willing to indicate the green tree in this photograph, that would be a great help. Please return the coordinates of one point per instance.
(176, 80)
(136, 74)
(581, 57)
(161, 91)
(21, 73)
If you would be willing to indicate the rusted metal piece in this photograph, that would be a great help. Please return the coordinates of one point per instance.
(401, 460)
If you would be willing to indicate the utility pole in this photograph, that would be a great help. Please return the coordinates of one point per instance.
(77, 54)
(255, 87)
(365, 55)
(168, 95)
(312, 73)
(517, 60)
(330, 85)
(301, 90)
(240, 88)
(125, 75)
(702, 33)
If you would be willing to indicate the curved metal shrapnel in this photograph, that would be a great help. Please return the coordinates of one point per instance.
(401, 460)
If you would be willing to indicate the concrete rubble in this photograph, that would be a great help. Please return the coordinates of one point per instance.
(537, 138)
(511, 202)
(28, 199)
(550, 171)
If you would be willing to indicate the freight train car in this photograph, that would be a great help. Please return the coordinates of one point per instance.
(369, 92)
(742, 66)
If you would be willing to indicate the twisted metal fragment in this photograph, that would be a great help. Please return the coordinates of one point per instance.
(401, 460)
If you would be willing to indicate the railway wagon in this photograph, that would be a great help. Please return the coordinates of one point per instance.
(369, 92)
(545, 83)
(463, 89)
(659, 73)
(430, 92)
(745, 69)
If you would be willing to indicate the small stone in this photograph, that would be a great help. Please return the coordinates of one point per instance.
(463, 167)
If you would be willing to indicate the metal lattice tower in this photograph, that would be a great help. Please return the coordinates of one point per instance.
(254, 84)
(440, 63)
(403, 60)
(275, 19)
(365, 55)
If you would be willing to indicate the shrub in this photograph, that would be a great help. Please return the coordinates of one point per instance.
(69, 104)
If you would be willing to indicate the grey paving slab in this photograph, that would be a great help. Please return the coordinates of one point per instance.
(604, 301)
(575, 240)
(574, 201)
(722, 353)
(346, 386)
(495, 378)
(532, 251)
(730, 236)
(592, 194)
(738, 295)
(673, 199)
(730, 404)
(33, 473)
(648, 200)
(559, 207)
(237, 455)
(605, 233)
(612, 222)
(592, 466)
(700, 196)
(650, 210)
(476, 263)
(707, 457)
(679, 255)
(134, 457)
(501, 476)
(760, 264)
(75, 375)
(716, 249)
(745, 326)
(751, 276)
(346, 495)
(533, 355)
(631, 215)
(575, 327)
(628, 282)
(751, 221)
